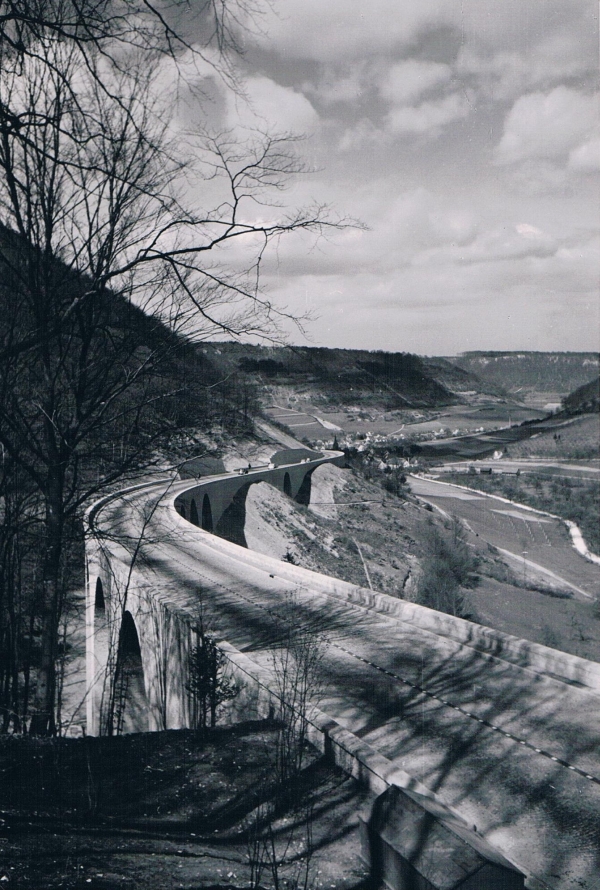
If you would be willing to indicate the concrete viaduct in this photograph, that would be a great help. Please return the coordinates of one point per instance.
(127, 618)
(491, 742)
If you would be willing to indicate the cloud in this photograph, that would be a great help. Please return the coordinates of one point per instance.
(361, 134)
(532, 303)
(338, 30)
(341, 30)
(586, 157)
(428, 118)
(407, 81)
(269, 105)
(507, 74)
(476, 228)
(401, 227)
(546, 125)
(338, 84)
(496, 244)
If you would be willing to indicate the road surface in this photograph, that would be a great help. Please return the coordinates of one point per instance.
(515, 753)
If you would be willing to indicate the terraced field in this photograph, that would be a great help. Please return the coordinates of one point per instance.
(580, 438)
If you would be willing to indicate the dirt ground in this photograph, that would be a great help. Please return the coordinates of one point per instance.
(168, 810)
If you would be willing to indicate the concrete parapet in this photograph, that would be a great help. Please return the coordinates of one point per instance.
(410, 839)
(411, 843)
(532, 656)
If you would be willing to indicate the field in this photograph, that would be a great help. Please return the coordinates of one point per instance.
(318, 423)
(579, 439)
(565, 496)
(570, 438)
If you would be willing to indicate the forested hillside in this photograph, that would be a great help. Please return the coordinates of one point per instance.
(585, 399)
(391, 380)
(517, 372)
(91, 388)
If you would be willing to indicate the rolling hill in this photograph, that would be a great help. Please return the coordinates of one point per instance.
(527, 373)
(584, 400)
(388, 380)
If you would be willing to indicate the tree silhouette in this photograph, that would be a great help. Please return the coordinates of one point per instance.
(96, 226)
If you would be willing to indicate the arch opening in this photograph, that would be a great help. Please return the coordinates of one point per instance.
(182, 510)
(99, 604)
(194, 513)
(287, 485)
(233, 520)
(304, 492)
(130, 707)
(100, 645)
(207, 520)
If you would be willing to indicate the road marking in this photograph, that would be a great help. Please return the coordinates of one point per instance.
(431, 695)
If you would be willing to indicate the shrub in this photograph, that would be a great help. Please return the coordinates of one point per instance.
(448, 569)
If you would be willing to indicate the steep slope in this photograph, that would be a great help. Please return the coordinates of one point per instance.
(343, 376)
(584, 400)
(520, 372)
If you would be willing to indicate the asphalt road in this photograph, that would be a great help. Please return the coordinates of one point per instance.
(515, 753)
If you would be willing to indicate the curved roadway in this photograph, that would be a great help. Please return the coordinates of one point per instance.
(515, 753)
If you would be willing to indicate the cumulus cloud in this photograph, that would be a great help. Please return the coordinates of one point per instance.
(429, 117)
(401, 227)
(546, 125)
(496, 234)
(407, 81)
(361, 134)
(493, 245)
(269, 105)
(507, 74)
(339, 30)
(586, 157)
(519, 303)
(342, 29)
(338, 84)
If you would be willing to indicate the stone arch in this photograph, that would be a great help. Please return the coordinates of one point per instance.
(194, 513)
(130, 713)
(287, 485)
(207, 520)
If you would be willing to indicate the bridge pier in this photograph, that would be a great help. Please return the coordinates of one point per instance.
(133, 643)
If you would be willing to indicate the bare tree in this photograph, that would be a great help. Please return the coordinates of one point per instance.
(297, 670)
(109, 28)
(94, 228)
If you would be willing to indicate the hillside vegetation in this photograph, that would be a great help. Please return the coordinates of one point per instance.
(92, 388)
(390, 380)
(522, 372)
(579, 439)
(585, 399)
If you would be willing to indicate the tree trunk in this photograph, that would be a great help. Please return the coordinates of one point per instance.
(43, 722)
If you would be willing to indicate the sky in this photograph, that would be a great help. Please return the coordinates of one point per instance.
(464, 135)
